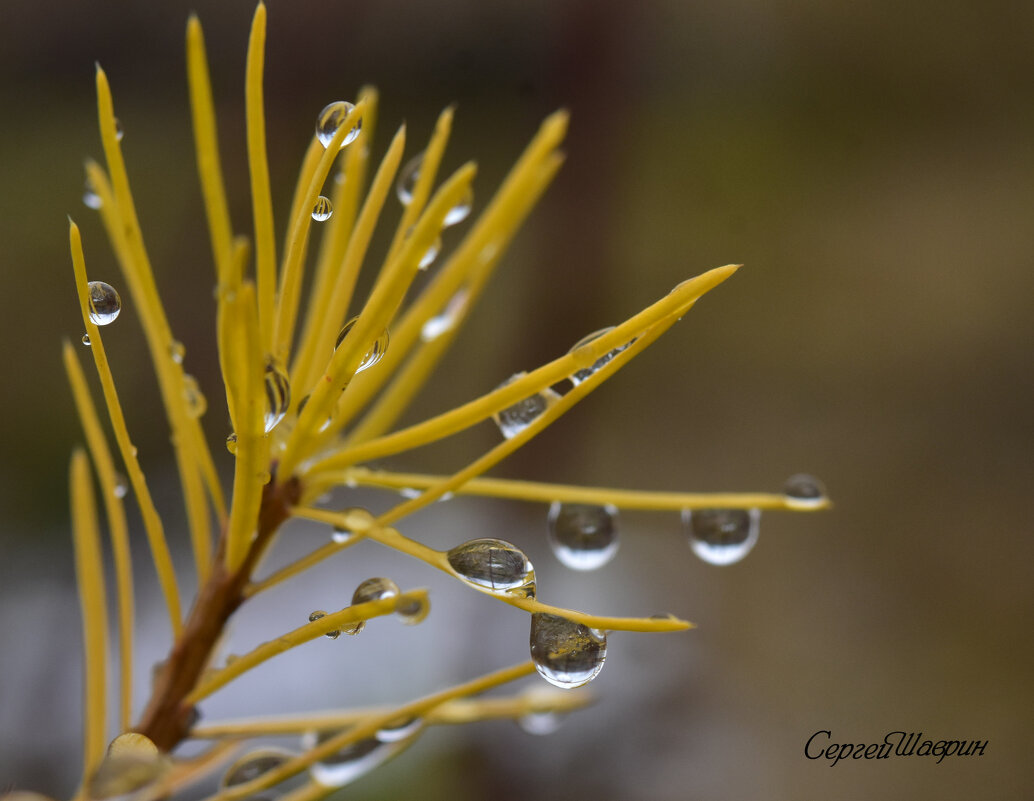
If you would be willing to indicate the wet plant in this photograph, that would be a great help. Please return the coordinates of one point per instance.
(313, 396)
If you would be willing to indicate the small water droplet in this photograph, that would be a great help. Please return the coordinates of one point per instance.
(314, 616)
(413, 611)
(376, 350)
(435, 326)
(407, 179)
(278, 395)
(410, 492)
(540, 723)
(177, 351)
(580, 375)
(90, 197)
(86, 340)
(430, 254)
(254, 764)
(802, 491)
(197, 405)
(119, 133)
(323, 208)
(352, 761)
(514, 419)
(231, 443)
(373, 589)
(105, 304)
(583, 536)
(331, 118)
(341, 535)
(491, 563)
(722, 536)
(565, 653)
(461, 210)
(121, 488)
(401, 729)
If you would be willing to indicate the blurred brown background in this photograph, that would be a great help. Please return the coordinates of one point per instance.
(873, 168)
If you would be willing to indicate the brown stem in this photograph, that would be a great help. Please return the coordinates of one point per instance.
(167, 719)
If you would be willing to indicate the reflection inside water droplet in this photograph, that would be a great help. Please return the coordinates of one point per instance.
(803, 491)
(565, 653)
(407, 179)
(373, 589)
(722, 536)
(319, 613)
(583, 536)
(514, 419)
(278, 395)
(491, 563)
(330, 120)
(322, 209)
(580, 375)
(376, 350)
(105, 304)
(252, 765)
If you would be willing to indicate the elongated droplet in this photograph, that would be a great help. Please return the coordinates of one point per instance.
(197, 405)
(491, 563)
(331, 118)
(90, 197)
(435, 326)
(352, 761)
(105, 304)
(278, 395)
(582, 536)
(802, 491)
(86, 340)
(254, 764)
(177, 351)
(722, 536)
(565, 653)
(430, 254)
(514, 419)
(461, 210)
(401, 729)
(373, 589)
(231, 443)
(322, 210)
(314, 616)
(376, 350)
(407, 179)
(580, 375)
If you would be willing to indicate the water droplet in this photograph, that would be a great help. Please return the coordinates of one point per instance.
(583, 536)
(373, 589)
(376, 350)
(565, 653)
(119, 133)
(514, 419)
(314, 616)
(722, 536)
(430, 254)
(254, 764)
(86, 340)
(401, 729)
(195, 398)
(352, 761)
(435, 326)
(131, 763)
(540, 723)
(488, 252)
(177, 351)
(461, 210)
(323, 209)
(90, 197)
(341, 535)
(407, 179)
(413, 611)
(105, 304)
(231, 443)
(410, 492)
(331, 118)
(278, 395)
(802, 491)
(494, 564)
(580, 375)
(121, 488)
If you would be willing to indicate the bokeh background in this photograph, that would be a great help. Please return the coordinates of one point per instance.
(872, 165)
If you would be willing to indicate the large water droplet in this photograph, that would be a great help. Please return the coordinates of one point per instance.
(197, 405)
(580, 375)
(802, 491)
(461, 210)
(331, 118)
(323, 208)
(373, 589)
(105, 304)
(491, 563)
(435, 326)
(376, 350)
(252, 765)
(90, 197)
(278, 395)
(565, 653)
(430, 254)
(514, 419)
(722, 536)
(407, 179)
(583, 536)
(314, 616)
(352, 761)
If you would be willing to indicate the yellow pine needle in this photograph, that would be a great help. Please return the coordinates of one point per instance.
(419, 708)
(450, 713)
(310, 631)
(152, 523)
(258, 169)
(117, 526)
(244, 378)
(663, 312)
(547, 493)
(206, 142)
(312, 178)
(319, 347)
(193, 459)
(385, 297)
(90, 576)
(337, 233)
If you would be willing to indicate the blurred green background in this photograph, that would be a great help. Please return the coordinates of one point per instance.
(871, 165)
